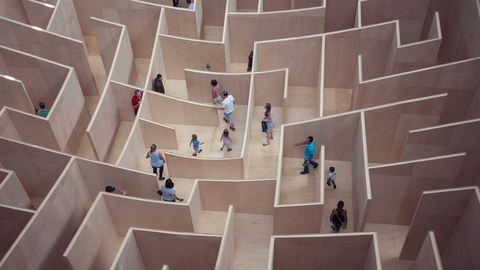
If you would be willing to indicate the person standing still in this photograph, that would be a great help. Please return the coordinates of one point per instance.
(250, 61)
(136, 100)
(158, 84)
(308, 154)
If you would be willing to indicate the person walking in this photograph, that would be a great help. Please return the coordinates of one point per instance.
(338, 217)
(269, 123)
(308, 154)
(157, 161)
(227, 107)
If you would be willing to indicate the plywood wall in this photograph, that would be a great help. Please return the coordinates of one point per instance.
(53, 47)
(337, 133)
(179, 54)
(163, 136)
(297, 219)
(300, 55)
(38, 14)
(13, 9)
(205, 168)
(12, 222)
(253, 197)
(400, 186)
(428, 258)
(64, 20)
(14, 95)
(269, 26)
(321, 252)
(199, 87)
(129, 256)
(431, 211)
(270, 88)
(12, 192)
(107, 37)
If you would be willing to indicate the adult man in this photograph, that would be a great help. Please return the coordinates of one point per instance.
(308, 154)
(158, 84)
(227, 108)
(42, 111)
(216, 97)
(136, 100)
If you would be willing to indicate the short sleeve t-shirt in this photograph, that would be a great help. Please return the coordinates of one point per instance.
(195, 143)
(309, 151)
(42, 112)
(331, 175)
(168, 193)
(135, 102)
(227, 104)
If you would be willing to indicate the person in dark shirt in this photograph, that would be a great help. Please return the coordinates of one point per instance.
(250, 61)
(158, 84)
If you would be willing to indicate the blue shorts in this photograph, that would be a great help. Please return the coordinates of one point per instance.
(228, 116)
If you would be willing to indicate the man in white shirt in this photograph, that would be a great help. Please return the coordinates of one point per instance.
(227, 108)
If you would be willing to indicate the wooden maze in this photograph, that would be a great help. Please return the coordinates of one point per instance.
(390, 91)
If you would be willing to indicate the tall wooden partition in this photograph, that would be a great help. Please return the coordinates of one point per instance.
(39, 14)
(271, 87)
(12, 222)
(199, 85)
(361, 188)
(247, 196)
(54, 47)
(107, 37)
(429, 257)
(70, 199)
(12, 192)
(458, 79)
(64, 20)
(302, 57)
(342, 50)
(400, 185)
(269, 26)
(388, 126)
(449, 139)
(13, 94)
(181, 53)
(345, 251)
(453, 214)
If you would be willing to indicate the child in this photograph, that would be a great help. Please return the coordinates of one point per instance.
(331, 177)
(196, 144)
(226, 140)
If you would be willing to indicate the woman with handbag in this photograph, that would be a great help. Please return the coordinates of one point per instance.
(338, 217)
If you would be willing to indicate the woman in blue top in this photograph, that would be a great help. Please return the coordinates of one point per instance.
(168, 192)
(308, 154)
(156, 160)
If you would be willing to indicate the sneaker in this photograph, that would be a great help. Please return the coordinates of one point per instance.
(229, 149)
(221, 149)
(194, 154)
(334, 186)
(199, 151)
(333, 228)
(315, 166)
(302, 172)
(265, 144)
(328, 183)
(233, 129)
(163, 178)
(225, 119)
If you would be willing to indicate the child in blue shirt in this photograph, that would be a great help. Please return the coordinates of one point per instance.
(196, 144)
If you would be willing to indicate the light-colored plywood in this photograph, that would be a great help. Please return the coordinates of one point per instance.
(14, 10)
(297, 219)
(128, 256)
(431, 211)
(347, 251)
(300, 55)
(168, 110)
(269, 26)
(152, 132)
(429, 258)
(337, 133)
(253, 196)
(400, 186)
(54, 224)
(340, 15)
(177, 250)
(38, 13)
(270, 87)
(181, 23)
(199, 85)
(123, 68)
(179, 54)
(107, 37)
(13, 94)
(12, 222)
(12, 192)
(53, 47)
(133, 153)
(227, 246)
(64, 20)
(205, 168)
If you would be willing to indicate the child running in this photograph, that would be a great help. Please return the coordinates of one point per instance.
(196, 144)
(226, 140)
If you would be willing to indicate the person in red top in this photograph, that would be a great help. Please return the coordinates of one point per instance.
(136, 99)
